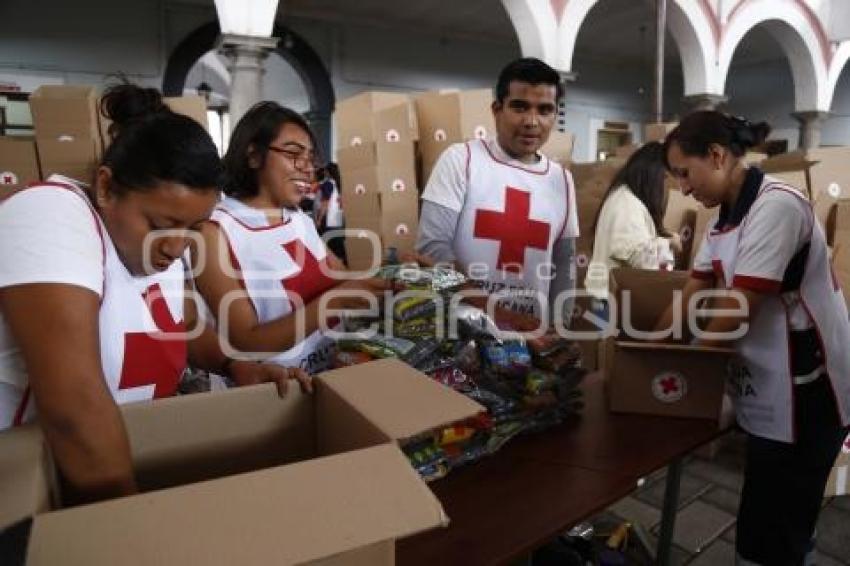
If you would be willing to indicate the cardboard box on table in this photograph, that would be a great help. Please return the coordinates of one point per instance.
(689, 219)
(839, 479)
(18, 164)
(244, 477)
(359, 121)
(446, 118)
(653, 378)
(66, 130)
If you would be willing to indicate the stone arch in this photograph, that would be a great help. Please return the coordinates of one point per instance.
(536, 28)
(692, 32)
(836, 67)
(295, 50)
(798, 33)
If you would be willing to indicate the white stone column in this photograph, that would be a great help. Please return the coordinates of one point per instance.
(810, 125)
(704, 101)
(246, 55)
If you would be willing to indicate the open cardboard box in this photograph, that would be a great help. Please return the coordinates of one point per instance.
(839, 479)
(244, 477)
(653, 378)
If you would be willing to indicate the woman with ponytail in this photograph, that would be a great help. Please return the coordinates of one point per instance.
(92, 290)
(791, 384)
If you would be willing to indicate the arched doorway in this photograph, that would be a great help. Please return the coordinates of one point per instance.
(760, 85)
(293, 57)
(612, 95)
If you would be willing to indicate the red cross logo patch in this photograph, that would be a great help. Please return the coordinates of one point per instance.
(513, 229)
(149, 357)
(669, 386)
(311, 280)
(8, 178)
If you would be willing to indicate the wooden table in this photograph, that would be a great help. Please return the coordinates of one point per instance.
(540, 485)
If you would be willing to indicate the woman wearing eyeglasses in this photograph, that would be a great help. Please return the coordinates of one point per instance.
(265, 268)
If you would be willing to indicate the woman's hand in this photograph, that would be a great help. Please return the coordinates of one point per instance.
(676, 243)
(250, 373)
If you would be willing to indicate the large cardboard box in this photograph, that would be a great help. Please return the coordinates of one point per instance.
(362, 187)
(357, 118)
(66, 130)
(841, 245)
(18, 163)
(193, 106)
(657, 131)
(452, 117)
(793, 168)
(559, 147)
(839, 479)
(244, 477)
(399, 155)
(591, 182)
(652, 378)
(680, 218)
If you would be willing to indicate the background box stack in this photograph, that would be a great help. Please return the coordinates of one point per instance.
(376, 132)
(18, 163)
(446, 118)
(66, 130)
(193, 106)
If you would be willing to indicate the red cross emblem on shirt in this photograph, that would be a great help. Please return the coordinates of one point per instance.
(151, 359)
(8, 179)
(311, 279)
(513, 229)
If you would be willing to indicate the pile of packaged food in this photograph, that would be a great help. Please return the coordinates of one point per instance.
(525, 383)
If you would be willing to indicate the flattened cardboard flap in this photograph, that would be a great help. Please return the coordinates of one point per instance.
(786, 162)
(283, 515)
(24, 469)
(193, 437)
(418, 403)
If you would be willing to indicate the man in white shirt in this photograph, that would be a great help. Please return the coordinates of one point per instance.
(499, 209)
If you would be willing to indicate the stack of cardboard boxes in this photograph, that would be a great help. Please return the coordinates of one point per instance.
(70, 135)
(376, 132)
(446, 118)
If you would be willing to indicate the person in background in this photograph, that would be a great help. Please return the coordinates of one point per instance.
(267, 267)
(791, 389)
(628, 226)
(501, 210)
(92, 303)
(329, 212)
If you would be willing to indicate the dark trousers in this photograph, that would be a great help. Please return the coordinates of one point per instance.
(784, 483)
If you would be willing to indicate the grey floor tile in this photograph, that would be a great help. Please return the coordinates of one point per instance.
(636, 511)
(690, 487)
(719, 553)
(834, 533)
(723, 498)
(826, 560)
(698, 524)
(842, 502)
(715, 473)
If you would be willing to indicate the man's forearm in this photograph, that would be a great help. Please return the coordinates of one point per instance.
(437, 226)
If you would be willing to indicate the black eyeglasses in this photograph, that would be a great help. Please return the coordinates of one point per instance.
(300, 159)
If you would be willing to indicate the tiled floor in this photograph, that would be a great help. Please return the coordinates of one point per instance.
(705, 524)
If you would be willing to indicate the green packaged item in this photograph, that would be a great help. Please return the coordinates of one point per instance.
(413, 306)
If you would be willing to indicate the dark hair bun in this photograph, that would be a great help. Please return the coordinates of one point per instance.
(126, 104)
(746, 134)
